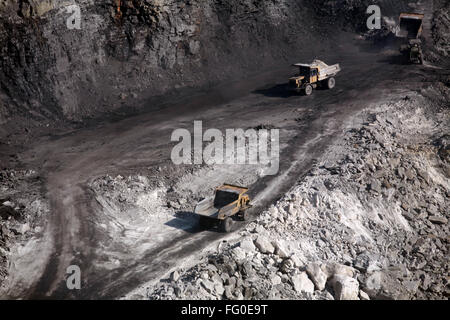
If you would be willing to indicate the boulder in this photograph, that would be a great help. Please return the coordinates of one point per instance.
(302, 283)
(280, 249)
(382, 286)
(238, 254)
(275, 279)
(264, 245)
(345, 288)
(174, 276)
(219, 289)
(363, 295)
(438, 220)
(334, 268)
(229, 292)
(411, 286)
(247, 245)
(208, 285)
(317, 275)
(297, 261)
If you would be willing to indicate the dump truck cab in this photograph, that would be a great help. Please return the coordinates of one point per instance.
(415, 51)
(310, 76)
(305, 74)
(228, 201)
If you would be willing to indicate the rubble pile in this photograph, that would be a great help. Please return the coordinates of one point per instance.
(20, 213)
(369, 221)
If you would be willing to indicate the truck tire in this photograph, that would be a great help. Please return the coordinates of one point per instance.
(331, 83)
(226, 225)
(244, 215)
(308, 90)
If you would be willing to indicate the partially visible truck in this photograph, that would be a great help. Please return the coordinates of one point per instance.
(410, 28)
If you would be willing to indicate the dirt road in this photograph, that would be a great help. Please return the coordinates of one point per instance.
(70, 163)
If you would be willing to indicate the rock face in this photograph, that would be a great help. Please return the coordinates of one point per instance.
(139, 48)
(126, 51)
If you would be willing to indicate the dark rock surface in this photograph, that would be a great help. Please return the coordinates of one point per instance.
(128, 51)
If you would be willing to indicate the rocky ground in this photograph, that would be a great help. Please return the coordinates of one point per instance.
(22, 209)
(369, 221)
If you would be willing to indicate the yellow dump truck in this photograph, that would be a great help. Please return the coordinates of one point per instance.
(229, 201)
(313, 75)
(410, 28)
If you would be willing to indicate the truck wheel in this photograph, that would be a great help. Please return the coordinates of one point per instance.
(245, 215)
(331, 83)
(308, 90)
(226, 224)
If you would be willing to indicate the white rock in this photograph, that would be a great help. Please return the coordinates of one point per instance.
(280, 249)
(25, 228)
(247, 245)
(273, 211)
(302, 283)
(317, 275)
(218, 287)
(276, 279)
(292, 209)
(264, 245)
(297, 261)
(238, 254)
(345, 288)
(373, 282)
(175, 276)
(229, 292)
(259, 229)
(363, 295)
(208, 285)
(334, 269)
(9, 204)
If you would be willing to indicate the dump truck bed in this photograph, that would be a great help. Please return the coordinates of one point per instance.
(222, 204)
(410, 25)
(325, 71)
(207, 209)
(328, 71)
